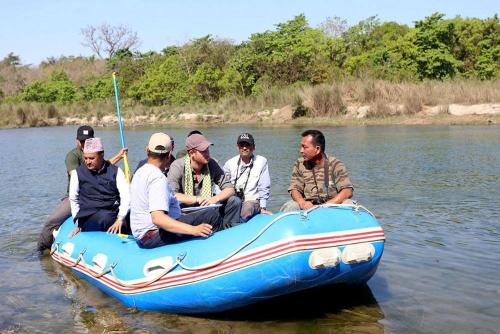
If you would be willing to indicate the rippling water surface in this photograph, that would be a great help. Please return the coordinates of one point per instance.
(435, 190)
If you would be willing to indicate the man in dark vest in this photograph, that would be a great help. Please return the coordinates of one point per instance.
(74, 158)
(99, 194)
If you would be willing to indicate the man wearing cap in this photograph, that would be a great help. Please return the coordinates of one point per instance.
(182, 153)
(99, 194)
(74, 158)
(250, 177)
(155, 213)
(316, 177)
(193, 179)
(170, 159)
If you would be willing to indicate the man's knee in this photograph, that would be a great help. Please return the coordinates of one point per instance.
(233, 202)
(249, 209)
(291, 205)
(99, 221)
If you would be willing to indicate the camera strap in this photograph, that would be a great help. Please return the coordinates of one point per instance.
(240, 174)
(326, 179)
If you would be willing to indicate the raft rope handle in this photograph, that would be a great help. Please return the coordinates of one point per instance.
(165, 271)
(56, 247)
(79, 258)
(105, 271)
(354, 206)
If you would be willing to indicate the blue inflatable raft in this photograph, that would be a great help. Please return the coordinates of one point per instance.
(269, 256)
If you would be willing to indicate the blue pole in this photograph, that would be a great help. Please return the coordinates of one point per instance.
(120, 125)
(118, 111)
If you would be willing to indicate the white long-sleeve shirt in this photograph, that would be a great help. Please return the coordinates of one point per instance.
(121, 183)
(259, 181)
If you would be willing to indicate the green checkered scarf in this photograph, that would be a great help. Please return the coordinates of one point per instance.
(206, 188)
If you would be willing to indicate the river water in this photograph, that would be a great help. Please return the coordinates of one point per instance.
(435, 190)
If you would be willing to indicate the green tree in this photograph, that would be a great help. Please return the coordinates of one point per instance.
(57, 89)
(283, 57)
(166, 84)
(434, 40)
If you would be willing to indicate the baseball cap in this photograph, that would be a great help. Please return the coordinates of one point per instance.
(245, 138)
(93, 145)
(198, 142)
(84, 132)
(160, 143)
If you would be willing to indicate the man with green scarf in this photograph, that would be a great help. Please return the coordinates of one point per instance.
(193, 179)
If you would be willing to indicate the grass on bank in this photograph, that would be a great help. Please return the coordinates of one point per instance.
(321, 102)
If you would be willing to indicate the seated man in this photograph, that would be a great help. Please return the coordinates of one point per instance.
(316, 177)
(74, 158)
(155, 213)
(250, 177)
(99, 194)
(193, 179)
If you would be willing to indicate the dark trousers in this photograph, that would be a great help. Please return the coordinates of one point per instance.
(230, 211)
(162, 237)
(99, 221)
(56, 218)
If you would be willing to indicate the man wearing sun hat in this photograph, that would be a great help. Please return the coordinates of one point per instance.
(194, 177)
(155, 213)
(99, 193)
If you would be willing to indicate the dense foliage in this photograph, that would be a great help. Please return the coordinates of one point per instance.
(207, 69)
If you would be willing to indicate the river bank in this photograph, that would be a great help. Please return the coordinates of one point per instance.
(348, 103)
(355, 115)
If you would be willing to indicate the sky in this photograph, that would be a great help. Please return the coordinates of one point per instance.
(38, 29)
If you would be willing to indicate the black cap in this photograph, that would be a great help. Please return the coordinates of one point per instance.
(245, 138)
(84, 132)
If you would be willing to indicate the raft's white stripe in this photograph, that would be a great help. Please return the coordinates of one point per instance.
(251, 257)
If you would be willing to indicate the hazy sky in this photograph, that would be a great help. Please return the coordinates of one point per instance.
(38, 29)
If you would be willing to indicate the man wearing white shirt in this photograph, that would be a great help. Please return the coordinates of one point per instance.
(250, 177)
(155, 213)
(99, 194)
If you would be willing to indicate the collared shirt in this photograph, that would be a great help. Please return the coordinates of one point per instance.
(121, 184)
(312, 184)
(256, 172)
(176, 177)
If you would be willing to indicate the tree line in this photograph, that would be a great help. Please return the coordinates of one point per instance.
(293, 54)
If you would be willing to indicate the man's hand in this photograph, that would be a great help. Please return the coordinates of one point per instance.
(265, 212)
(202, 230)
(75, 231)
(114, 160)
(304, 205)
(207, 201)
(116, 227)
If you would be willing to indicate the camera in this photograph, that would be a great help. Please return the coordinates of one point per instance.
(241, 194)
(319, 201)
